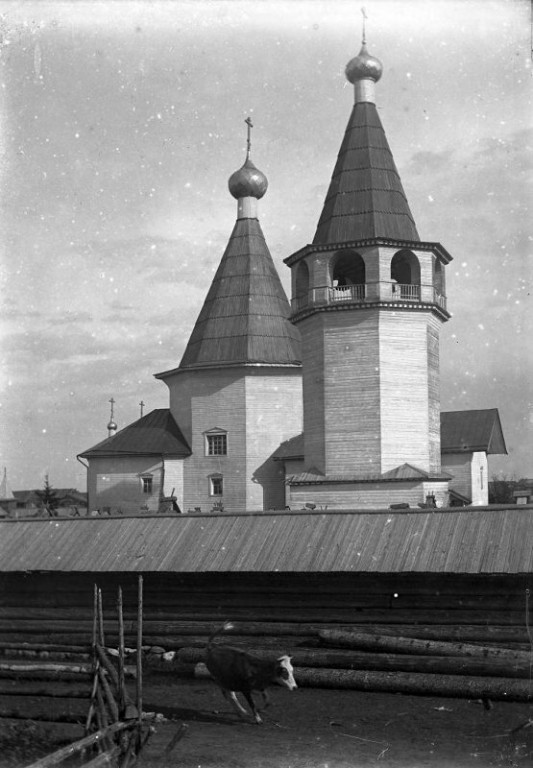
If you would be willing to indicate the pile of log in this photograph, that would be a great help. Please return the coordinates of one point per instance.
(383, 660)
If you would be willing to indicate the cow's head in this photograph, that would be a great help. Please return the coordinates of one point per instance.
(284, 673)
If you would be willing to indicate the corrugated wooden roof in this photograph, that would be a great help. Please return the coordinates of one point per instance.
(155, 434)
(245, 317)
(365, 197)
(480, 540)
(466, 431)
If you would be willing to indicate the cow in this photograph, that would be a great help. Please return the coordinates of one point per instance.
(237, 671)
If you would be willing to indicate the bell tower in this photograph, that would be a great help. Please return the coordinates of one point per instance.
(368, 297)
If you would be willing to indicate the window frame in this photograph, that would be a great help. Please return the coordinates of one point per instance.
(147, 485)
(216, 479)
(210, 439)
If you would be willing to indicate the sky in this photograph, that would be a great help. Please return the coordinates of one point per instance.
(120, 124)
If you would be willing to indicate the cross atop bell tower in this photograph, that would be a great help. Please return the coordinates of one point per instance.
(369, 297)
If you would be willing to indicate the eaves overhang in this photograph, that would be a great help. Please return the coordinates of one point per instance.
(415, 245)
(396, 306)
(131, 454)
(222, 365)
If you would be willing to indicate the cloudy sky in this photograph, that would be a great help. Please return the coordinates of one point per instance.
(120, 125)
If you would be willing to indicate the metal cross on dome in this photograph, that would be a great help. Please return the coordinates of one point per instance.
(250, 125)
(365, 17)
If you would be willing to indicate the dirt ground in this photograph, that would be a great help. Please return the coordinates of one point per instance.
(310, 728)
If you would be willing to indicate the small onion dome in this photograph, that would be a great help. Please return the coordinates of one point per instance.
(112, 425)
(248, 181)
(364, 67)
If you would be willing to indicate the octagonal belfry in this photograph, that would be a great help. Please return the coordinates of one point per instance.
(368, 297)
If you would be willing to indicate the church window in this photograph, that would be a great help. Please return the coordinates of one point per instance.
(147, 483)
(217, 444)
(216, 485)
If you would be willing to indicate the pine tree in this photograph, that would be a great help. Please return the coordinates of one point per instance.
(48, 496)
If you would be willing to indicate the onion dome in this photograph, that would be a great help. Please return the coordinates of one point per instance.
(112, 426)
(248, 181)
(364, 67)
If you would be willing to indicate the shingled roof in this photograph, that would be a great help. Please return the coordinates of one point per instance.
(154, 434)
(365, 197)
(245, 317)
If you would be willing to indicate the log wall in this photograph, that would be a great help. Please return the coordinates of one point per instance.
(57, 607)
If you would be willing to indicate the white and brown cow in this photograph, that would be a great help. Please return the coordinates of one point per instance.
(236, 671)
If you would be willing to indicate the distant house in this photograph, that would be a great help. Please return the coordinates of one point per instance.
(523, 493)
(30, 504)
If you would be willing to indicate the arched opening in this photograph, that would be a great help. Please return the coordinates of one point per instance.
(405, 275)
(301, 285)
(348, 276)
(439, 278)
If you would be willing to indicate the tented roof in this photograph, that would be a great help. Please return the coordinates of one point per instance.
(245, 316)
(365, 198)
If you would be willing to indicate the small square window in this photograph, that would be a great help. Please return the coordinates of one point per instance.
(217, 445)
(217, 485)
(147, 484)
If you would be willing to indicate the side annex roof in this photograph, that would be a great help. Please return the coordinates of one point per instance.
(469, 431)
(157, 433)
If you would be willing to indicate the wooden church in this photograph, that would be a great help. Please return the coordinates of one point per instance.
(331, 402)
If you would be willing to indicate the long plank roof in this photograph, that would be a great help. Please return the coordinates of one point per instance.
(472, 541)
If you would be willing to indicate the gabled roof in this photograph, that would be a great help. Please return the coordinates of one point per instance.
(365, 198)
(480, 540)
(469, 431)
(154, 434)
(245, 317)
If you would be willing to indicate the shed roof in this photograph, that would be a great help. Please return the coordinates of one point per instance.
(245, 316)
(483, 540)
(154, 434)
(365, 198)
(468, 431)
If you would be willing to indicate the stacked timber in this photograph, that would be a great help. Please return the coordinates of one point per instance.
(369, 661)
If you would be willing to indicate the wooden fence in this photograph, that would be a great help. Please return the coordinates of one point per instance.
(91, 691)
